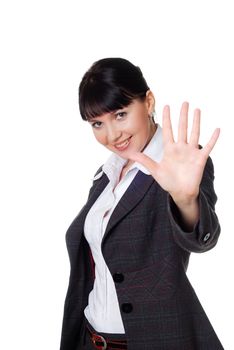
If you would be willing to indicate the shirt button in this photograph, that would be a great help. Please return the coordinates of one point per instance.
(206, 237)
(127, 307)
(118, 277)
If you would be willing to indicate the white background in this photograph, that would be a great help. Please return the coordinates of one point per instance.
(49, 155)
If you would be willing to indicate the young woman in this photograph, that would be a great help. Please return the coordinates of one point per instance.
(150, 204)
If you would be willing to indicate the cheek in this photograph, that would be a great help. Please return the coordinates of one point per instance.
(133, 126)
(100, 137)
(140, 125)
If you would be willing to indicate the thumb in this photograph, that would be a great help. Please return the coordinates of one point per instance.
(145, 160)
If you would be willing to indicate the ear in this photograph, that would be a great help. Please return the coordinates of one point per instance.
(150, 101)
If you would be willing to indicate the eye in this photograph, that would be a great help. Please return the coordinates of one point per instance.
(95, 125)
(121, 114)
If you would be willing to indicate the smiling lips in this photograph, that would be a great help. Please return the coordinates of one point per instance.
(122, 146)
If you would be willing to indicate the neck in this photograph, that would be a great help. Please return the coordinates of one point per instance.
(152, 132)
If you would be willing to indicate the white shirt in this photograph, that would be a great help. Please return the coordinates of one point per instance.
(103, 310)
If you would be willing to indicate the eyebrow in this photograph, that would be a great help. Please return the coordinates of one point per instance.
(114, 112)
(93, 120)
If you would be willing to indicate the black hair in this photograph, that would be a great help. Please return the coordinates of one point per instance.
(108, 85)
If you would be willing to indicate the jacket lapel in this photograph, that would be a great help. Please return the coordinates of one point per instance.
(133, 195)
(76, 228)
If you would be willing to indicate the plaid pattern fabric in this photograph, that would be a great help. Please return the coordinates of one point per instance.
(146, 245)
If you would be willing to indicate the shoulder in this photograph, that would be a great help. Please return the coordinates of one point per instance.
(98, 173)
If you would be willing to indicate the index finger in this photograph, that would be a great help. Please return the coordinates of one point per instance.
(166, 126)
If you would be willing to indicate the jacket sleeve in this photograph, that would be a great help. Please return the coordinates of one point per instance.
(206, 231)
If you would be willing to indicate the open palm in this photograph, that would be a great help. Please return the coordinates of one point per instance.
(181, 168)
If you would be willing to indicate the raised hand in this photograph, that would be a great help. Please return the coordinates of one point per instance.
(181, 168)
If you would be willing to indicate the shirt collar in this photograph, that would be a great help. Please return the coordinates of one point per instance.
(154, 150)
(114, 164)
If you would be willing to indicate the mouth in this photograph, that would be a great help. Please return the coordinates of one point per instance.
(122, 146)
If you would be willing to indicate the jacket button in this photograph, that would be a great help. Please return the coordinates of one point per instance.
(206, 237)
(126, 307)
(118, 277)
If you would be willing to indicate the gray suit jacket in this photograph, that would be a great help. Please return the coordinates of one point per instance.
(147, 252)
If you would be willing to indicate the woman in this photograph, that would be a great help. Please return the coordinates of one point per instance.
(150, 205)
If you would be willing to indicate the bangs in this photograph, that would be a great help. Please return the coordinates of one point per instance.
(97, 100)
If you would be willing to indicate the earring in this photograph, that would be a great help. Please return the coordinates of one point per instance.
(151, 116)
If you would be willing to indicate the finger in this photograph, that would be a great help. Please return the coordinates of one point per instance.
(210, 145)
(166, 126)
(183, 123)
(195, 132)
(146, 161)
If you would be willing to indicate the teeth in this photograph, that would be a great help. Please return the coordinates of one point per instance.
(123, 144)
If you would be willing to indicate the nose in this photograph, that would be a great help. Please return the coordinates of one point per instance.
(113, 134)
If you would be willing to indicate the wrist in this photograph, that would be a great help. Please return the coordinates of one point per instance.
(188, 207)
(184, 199)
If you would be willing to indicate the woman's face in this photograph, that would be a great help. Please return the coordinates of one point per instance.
(128, 129)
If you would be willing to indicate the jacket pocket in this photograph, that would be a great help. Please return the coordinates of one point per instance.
(159, 281)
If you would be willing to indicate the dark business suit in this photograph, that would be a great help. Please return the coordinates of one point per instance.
(147, 253)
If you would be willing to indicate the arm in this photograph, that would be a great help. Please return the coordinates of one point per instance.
(186, 173)
(204, 233)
